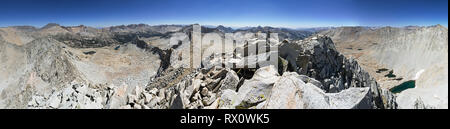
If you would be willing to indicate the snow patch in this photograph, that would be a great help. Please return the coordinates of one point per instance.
(418, 74)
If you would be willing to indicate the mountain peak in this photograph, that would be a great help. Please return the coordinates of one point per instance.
(49, 25)
(440, 26)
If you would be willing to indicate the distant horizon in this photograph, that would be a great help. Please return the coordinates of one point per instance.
(233, 27)
(232, 13)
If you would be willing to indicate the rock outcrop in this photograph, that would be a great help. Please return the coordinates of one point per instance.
(75, 96)
(318, 58)
(134, 67)
(413, 53)
(259, 87)
(291, 92)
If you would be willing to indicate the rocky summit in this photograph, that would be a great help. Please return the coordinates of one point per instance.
(139, 67)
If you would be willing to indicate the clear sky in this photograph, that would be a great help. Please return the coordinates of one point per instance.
(234, 13)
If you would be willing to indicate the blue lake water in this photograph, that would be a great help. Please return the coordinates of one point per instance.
(403, 86)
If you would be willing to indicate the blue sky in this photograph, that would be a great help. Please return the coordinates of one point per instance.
(235, 13)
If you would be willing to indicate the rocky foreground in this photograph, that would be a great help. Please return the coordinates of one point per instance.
(129, 67)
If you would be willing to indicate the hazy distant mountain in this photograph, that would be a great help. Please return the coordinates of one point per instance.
(283, 33)
(315, 29)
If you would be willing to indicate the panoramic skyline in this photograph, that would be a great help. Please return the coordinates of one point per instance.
(233, 13)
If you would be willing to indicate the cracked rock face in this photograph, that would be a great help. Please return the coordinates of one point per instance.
(75, 96)
(290, 92)
(258, 89)
(318, 58)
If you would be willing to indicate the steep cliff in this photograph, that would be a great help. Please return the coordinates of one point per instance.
(413, 53)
